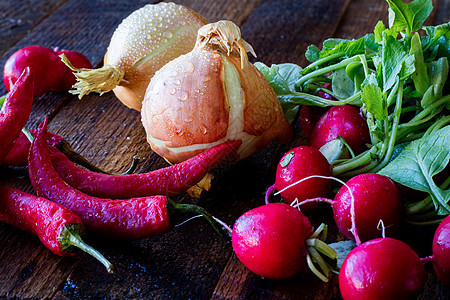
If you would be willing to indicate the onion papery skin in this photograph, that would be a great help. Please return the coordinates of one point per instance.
(203, 98)
(145, 41)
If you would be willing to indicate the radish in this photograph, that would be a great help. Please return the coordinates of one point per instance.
(369, 202)
(51, 74)
(276, 240)
(441, 251)
(384, 268)
(344, 121)
(309, 116)
(297, 164)
(376, 197)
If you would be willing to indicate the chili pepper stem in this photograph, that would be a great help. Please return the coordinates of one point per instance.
(175, 208)
(70, 237)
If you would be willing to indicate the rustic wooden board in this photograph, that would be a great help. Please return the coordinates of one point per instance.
(191, 261)
(20, 16)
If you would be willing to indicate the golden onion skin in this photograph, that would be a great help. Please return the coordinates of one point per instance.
(204, 98)
(145, 41)
(165, 29)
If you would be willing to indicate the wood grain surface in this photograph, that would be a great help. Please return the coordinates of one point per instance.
(191, 261)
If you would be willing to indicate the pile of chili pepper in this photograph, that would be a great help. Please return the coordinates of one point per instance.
(132, 218)
(132, 206)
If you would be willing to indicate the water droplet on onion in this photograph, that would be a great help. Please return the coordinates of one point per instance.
(189, 67)
(184, 96)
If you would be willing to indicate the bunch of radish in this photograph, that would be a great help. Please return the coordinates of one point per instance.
(276, 240)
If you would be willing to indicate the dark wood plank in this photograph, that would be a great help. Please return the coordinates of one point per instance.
(443, 12)
(20, 16)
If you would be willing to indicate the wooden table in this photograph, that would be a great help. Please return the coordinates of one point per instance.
(191, 261)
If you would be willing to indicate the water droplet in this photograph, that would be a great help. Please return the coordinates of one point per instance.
(173, 91)
(189, 67)
(177, 82)
(184, 96)
(206, 78)
(180, 132)
(188, 119)
(167, 34)
(204, 128)
(173, 74)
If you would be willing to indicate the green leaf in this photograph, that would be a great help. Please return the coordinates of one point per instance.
(400, 16)
(290, 73)
(438, 73)
(422, 10)
(420, 75)
(372, 97)
(343, 87)
(437, 43)
(380, 29)
(419, 161)
(436, 32)
(312, 53)
(282, 78)
(370, 44)
(394, 59)
(408, 16)
(342, 249)
(349, 47)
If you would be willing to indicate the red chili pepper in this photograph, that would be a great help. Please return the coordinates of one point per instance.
(18, 154)
(57, 227)
(133, 218)
(15, 112)
(171, 180)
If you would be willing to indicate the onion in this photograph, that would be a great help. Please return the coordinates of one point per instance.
(145, 41)
(210, 95)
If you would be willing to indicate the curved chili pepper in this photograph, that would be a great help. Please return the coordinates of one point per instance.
(58, 228)
(133, 218)
(15, 112)
(18, 154)
(169, 181)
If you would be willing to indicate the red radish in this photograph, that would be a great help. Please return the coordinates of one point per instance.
(441, 251)
(50, 72)
(309, 116)
(275, 240)
(383, 268)
(376, 198)
(363, 203)
(297, 164)
(344, 121)
(270, 240)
